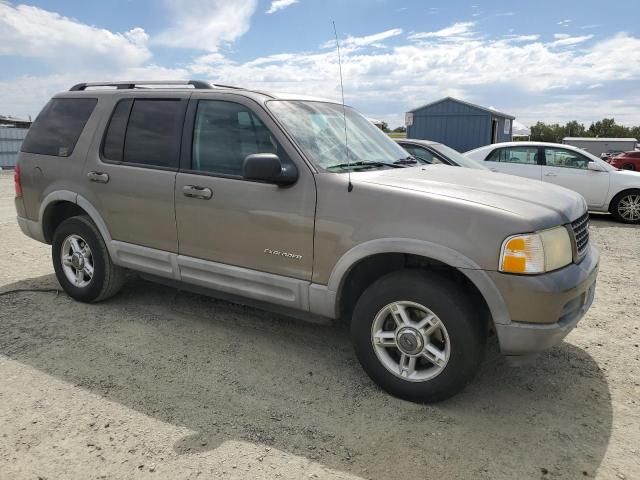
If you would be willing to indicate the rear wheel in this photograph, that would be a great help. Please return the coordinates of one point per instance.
(628, 166)
(416, 336)
(82, 263)
(625, 207)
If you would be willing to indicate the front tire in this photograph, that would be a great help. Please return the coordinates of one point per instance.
(625, 207)
(82, 263)
(417, 335)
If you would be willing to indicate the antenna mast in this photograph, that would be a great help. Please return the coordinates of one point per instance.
(344, 110)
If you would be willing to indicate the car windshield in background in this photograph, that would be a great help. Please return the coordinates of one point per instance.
(319, 130)
(457, 157)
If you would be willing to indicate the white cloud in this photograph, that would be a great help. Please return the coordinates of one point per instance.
(460, 29)
(385, 83)
(277, 5)
(34, 32)
(520, 74)
(373, 39)
(521, 38)
(206, 24)
(568, 40)
(564, 23)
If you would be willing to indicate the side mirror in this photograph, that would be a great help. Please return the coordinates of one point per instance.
(594, 167)
(267, 167)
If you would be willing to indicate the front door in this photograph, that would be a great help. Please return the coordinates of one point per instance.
(570, 169)
(225, 219)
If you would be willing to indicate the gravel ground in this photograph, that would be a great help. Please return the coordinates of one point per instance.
(157, 383)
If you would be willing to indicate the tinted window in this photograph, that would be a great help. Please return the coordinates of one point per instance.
(114, 139)
(421, 153)
(153, 133)
(524, 155)
(58, 127)
(559, 157)
(224, 134)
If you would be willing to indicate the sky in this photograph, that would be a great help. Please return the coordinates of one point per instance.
(552, 61)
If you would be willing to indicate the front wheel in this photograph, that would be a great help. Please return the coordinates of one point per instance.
(625, 207)
(82, 263)
(417, 336)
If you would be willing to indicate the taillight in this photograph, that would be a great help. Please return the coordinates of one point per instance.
(16, 181)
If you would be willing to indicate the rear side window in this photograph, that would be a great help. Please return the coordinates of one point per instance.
(145, 132)
(56, 130)
(114, 139)
(421, 153)
(523, 155)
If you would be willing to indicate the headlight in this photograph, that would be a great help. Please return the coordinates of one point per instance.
(536, 252)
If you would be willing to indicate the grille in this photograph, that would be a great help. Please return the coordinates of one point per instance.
(581, 233)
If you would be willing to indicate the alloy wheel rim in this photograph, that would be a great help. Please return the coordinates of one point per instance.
(77, 261)
(629, 207)
(410, 341)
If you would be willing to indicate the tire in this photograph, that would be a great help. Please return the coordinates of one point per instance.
(106, 278)
(444, 299)
(625, 207)
(628, 166)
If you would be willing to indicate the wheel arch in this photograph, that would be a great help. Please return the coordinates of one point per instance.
(623, 191)
(62, 204)
(378, 257)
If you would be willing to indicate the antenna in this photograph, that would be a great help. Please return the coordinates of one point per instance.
(344, 110)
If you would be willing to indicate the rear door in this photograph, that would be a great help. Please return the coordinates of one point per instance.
(570, 169)
(237, 222)
(131, 172)
(522, 161)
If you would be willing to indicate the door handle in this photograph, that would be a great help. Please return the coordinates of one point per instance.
(494, 169)
(550, 174)
(194, 191)
(98, 177)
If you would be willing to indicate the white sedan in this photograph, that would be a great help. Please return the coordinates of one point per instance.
(605, 188)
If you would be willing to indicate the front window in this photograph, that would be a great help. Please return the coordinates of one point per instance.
(559, 157)
(319, 130)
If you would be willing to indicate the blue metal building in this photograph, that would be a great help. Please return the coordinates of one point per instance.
(10, 142)
(460, 125)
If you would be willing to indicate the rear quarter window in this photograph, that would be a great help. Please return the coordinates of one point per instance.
(56, 130)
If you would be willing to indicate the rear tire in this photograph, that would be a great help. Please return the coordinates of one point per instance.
(418, 335)
(625, 207)
(628, 166)
(82, 262)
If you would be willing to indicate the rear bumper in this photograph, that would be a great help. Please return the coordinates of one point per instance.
(31, 229)
(545, 308)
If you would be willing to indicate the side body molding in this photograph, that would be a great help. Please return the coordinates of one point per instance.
(323, 299)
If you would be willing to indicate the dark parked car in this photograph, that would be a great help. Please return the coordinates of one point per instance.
(626, 160)
(427, 151)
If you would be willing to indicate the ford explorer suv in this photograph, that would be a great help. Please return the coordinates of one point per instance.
(303, 206)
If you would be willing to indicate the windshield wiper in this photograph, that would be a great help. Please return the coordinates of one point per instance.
(364, 165)
(410, 160)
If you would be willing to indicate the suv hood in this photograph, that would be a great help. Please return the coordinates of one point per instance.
(527, 198)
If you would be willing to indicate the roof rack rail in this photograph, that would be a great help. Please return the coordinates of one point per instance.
(197, 84)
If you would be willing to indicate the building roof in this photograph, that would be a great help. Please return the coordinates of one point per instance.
(473, 105)
(600, 139)
(9, 118)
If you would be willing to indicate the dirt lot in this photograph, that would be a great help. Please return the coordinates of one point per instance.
(157, 383)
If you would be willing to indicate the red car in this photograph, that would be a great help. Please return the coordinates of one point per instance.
(626, 160)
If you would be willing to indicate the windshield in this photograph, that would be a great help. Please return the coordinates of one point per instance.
(457, 157)
(319, 130)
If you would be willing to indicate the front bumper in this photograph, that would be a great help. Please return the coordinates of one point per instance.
(545, 308)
